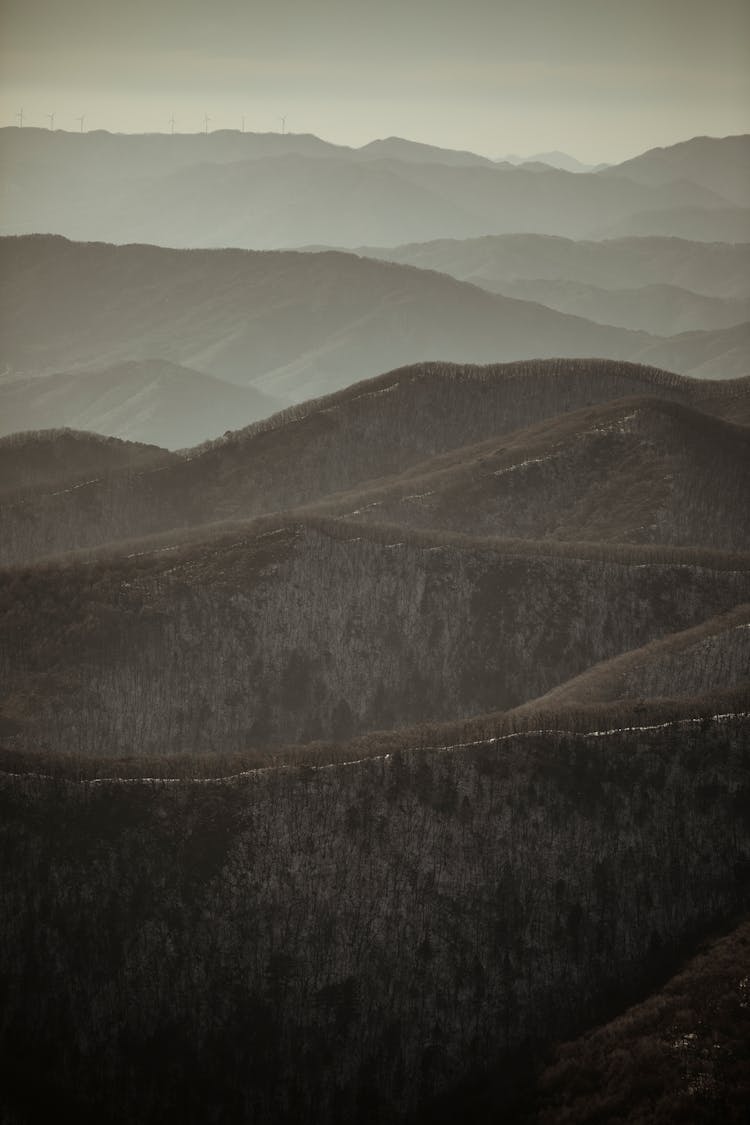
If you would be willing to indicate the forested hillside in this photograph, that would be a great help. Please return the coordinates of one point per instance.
(374, 625)
(289, 632)
(54, 459)
(712, 656)
(683, 1051)
(288, 325)
(638, 470)
(351, 943)
(375, 429)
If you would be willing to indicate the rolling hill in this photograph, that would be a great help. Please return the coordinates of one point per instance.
(378, 428)
(52, 459)
(352, 755)
(638, 470)
(710, 657)
(289, 631)
(289, 325)
(678, 1053)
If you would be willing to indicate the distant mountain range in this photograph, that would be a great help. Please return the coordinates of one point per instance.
(122, 325)
(273, 191)
(659, 285)
(555, 159)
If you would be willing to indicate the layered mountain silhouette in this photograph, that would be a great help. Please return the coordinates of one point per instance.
(288, 326)
(391, 425)
(714, 656)
(721, 165)
(374, 635)
(145, 400)
(264, 191)
(713, 270)
(659, 285)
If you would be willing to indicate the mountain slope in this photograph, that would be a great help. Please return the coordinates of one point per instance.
(58, 458)
(233, 189)
(703, 224)
(146, 400)
(374, 429)
(351, 943)
(637, 470)
(289, 631)
(661, 309)
(711, 269)
(290, 324)
(712, 355)
(719, 164)
(712, 656)
(680, 1054)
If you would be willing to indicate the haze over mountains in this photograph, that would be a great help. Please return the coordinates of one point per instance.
(282, 191)
(374, 629)
(123, 323)
(659, 285)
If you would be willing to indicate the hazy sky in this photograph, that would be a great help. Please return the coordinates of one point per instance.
(603, 79)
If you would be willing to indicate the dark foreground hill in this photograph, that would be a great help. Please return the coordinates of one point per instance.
(286, 632)
(680, 1055)
(359, 941)
(56, 459)
(374, 429)
(710, 657)
(638, 470)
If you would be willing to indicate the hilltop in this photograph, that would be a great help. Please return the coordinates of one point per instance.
(291, 630)
(638, 470)
(373, 429)
(710, 657)
(50, 460)
(121, 320)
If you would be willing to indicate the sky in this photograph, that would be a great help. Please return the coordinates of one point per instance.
(601, 79)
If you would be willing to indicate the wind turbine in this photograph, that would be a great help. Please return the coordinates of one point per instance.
(243, 123)
(283, 124)
(81, 119)
(172, 123)
(51, 119)
(206, 120)
(20, 118)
